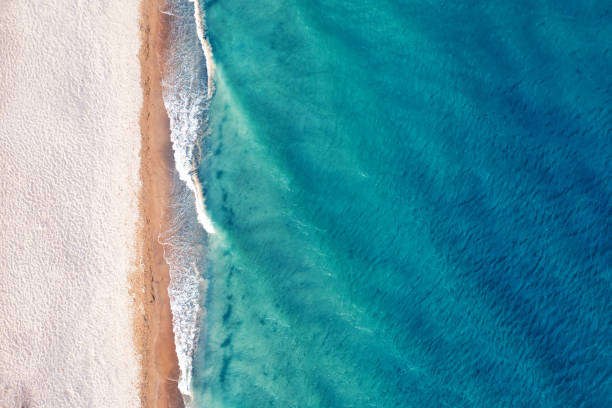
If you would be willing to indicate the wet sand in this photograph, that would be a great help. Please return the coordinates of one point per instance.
(155, 338)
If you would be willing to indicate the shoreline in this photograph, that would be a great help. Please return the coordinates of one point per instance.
(154, 333)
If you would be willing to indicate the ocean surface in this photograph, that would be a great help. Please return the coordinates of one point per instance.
(411, 200)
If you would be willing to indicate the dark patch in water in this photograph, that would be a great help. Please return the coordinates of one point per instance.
(218, 150)
(227, 341)
(227, 314)
(224, 367)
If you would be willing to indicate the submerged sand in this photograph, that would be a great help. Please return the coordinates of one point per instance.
(80, 270)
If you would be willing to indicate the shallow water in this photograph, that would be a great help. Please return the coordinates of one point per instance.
(412, 203)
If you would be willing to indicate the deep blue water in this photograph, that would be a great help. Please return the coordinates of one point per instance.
(413, 202)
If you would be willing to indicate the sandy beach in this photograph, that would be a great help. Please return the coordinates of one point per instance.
(154, 333)
(84, 312)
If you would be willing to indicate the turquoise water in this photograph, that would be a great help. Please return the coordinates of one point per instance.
(413, 205)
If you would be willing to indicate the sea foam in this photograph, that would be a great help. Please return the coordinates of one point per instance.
(187, 89)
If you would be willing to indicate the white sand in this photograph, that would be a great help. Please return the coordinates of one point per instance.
(70, 100)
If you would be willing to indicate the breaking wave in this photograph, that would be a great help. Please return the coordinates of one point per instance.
(187, 89)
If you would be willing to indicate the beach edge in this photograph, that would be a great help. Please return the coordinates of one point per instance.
(154, 336)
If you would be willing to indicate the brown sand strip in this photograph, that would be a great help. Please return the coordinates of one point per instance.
(154, 336)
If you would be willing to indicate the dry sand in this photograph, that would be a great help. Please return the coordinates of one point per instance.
(70, 100)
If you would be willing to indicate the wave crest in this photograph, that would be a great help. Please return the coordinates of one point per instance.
(187, 90)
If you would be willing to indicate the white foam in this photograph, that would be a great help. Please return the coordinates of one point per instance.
(202, 215)
(70, 102)
(187, 89)
(190, 163)
(184, 251)
(186, 111)
(206, 48)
